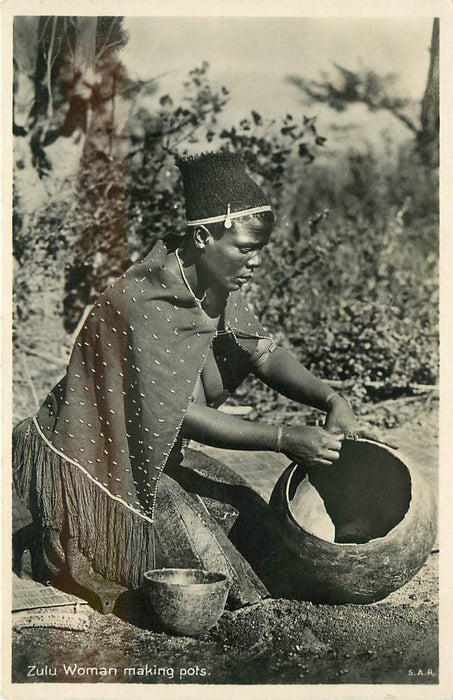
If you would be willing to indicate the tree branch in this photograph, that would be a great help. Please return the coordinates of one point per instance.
(49, 67)
(107, 37)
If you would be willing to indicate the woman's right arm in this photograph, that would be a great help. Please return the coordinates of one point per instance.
(309, 445)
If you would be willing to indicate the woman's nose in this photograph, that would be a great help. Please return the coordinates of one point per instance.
(255, 260)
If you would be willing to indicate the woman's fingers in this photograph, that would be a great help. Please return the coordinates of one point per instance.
(332, 455)
(334, 443)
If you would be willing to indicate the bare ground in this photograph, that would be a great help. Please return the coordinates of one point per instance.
(279, 641)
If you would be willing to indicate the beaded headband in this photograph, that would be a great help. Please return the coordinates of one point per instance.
(227, 218)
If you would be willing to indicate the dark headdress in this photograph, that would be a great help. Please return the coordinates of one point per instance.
(218, 188)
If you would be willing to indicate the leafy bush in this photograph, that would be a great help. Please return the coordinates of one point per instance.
(349, 282)
(351, 275)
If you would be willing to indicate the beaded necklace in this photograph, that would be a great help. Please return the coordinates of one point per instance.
(186, 282)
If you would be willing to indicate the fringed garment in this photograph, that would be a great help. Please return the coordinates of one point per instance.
(90, 464)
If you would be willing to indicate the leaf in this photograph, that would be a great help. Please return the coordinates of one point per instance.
(285, 130)
(166, 101)
(303, 150)
(257, 118)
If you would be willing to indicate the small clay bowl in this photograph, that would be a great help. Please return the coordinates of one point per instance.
(186, 601)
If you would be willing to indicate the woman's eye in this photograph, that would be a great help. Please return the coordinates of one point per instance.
(245, 250)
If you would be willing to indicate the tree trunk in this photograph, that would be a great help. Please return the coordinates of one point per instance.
(84, 55)
(25, 56)
(429, 134)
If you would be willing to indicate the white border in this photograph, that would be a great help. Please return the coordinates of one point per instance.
(248, 8)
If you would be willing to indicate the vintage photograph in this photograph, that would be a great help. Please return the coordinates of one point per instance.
(225, 344)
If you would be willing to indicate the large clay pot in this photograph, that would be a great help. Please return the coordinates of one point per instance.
(357, 530)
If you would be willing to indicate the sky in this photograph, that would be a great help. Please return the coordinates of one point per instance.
(253, 56)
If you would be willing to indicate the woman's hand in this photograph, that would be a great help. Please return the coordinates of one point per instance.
(311, 446)
(340, 417)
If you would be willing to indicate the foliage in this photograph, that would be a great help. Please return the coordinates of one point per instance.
(349, 280)
(353, 289)
(381, 92)
(364, 86)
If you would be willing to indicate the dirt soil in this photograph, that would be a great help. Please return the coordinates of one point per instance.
(278, 641)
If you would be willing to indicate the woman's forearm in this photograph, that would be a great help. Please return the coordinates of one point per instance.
(311, 446)
(283, 372)
(211, 427)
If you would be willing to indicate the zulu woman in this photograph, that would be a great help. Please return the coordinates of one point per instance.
(103, 465)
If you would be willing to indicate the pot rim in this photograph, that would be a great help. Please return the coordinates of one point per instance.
(407, 464)
(222, 578)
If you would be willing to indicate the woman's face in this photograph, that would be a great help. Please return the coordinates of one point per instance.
(230, 261)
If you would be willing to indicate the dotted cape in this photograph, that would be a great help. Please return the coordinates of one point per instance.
(116, 414)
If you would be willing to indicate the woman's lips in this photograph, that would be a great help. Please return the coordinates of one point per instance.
(244, 278)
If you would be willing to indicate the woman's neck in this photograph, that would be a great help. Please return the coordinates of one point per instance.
(206, 294)
(190, 274)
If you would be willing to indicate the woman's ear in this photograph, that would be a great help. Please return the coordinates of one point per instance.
(201, 235)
